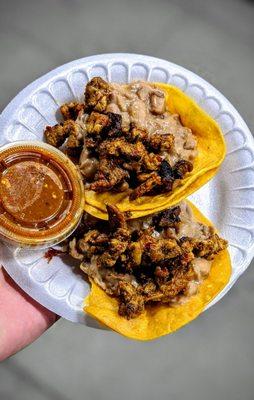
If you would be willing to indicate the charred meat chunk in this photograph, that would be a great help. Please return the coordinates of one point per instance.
(146, 187)
(107, 246)
(55, 135)
(116, 219)
(108, 176)
(121, 148)
(91, 144)
(177, 284)
(159, 250)
(208, 248)
(167, 176)
(131, 302)
(74, 141)
(151, 162)
(96, 122)
(181, 168)
(168, 218)
(100, 127)
(159, 143)
(136, 134)
(117, 245)
(93, 242)
(69, 130)
(114, 127)
(97, 94)
(71, 110)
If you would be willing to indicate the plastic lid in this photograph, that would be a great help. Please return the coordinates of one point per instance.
(41, 194)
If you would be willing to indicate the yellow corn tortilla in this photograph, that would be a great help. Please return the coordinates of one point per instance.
(161, 319)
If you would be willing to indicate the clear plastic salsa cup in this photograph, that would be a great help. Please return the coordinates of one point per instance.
(41, 195)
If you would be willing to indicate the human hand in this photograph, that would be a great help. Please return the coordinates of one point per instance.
(22, 319)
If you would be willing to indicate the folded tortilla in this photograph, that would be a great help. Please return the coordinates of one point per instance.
(162, 319)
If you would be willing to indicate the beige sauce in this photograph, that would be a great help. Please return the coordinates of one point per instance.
(191, 228)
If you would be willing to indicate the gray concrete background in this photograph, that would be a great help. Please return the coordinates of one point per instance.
(213, 357)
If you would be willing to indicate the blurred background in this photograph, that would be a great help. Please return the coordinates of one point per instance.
(213, 357)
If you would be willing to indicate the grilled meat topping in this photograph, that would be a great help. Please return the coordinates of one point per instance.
(138, 263)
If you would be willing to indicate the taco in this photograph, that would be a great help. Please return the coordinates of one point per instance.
(141, 146)
(152, 275)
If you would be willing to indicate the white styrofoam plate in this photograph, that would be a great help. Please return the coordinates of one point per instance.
(227, 200)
